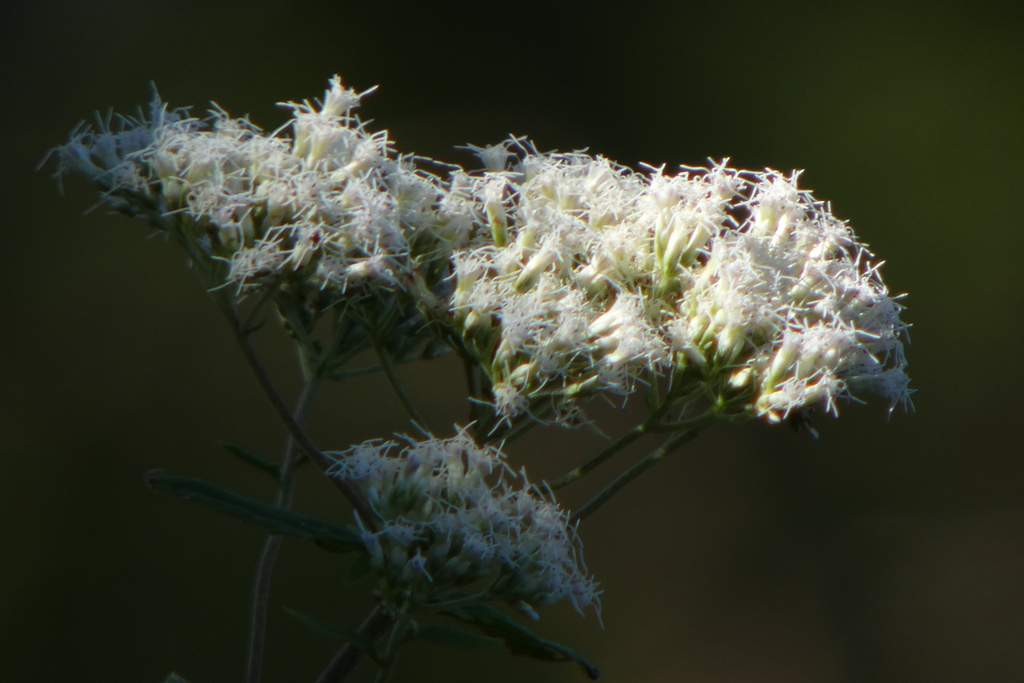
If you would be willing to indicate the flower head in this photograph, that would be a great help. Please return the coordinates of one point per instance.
(450, 515)
(330, 209)
(600, 277)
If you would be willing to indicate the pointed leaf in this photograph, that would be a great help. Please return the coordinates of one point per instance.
(270, 516)
(449, 635)
(253, 459)
(519, 639)
(174, 678)
(349, 635)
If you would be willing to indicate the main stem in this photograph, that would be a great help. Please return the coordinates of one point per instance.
(272, 545)
(348, 657)
(282, 410)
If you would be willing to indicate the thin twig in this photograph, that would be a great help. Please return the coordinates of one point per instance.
(314, 453)
(348, 657)
(607, 452)
(459, 602)
(651, 425)
(648, 461)
(388, 366)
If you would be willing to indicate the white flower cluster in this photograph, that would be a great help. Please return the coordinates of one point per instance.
(586, 276)
(450, 516)
(331, 207)
(564, 275)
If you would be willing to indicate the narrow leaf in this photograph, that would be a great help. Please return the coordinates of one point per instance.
(253, 459)
(272, 517)
(349, 635)
(519, 639)
(449, 635)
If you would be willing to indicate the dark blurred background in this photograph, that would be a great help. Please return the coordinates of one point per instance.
(887, 550)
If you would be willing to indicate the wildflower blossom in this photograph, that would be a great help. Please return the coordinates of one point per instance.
(329, 209)
(562, 275)
(450, 516)
(589, 277)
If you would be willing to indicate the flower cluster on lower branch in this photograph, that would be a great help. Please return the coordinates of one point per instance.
(450, 516)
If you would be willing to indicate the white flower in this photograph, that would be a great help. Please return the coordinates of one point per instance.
(721, 270)
(450, 515)
(566, 275)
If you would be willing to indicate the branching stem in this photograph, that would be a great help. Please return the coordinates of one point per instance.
(348, 657)
(267, 384)
(614, 447)
(645, 463)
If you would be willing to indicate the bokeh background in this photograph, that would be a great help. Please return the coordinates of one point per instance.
(890, 549)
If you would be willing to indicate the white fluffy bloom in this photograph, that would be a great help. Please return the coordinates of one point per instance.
(599, 275)
(330, 208)
(450, 515)
(565, 275)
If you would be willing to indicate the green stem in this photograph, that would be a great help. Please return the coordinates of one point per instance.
(651, 425)
(250, 325)
(388, 365)
(605, 453)
(458, 602)
(357, 372)
(648, 461)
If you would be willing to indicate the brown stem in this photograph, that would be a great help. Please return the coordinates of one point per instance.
(272, 545)
(348, 657)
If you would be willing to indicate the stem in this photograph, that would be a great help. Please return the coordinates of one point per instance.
(388, 366)
(357, 372)
(272, 545)
(510, 435)
(459, 602)
(348, 657)
(394, 643)
(607, 452)
(314, 453)
(651, 425)
(648, 461)
(471, 386)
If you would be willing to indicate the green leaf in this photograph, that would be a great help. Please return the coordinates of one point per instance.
(174, 678)
(349, 635)
(339, 538)
(519, 639)
(253, 459)
(449, 635)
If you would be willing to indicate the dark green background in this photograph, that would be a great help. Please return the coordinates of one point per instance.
(887, 550)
